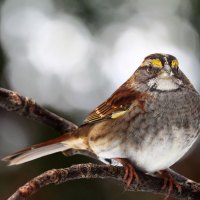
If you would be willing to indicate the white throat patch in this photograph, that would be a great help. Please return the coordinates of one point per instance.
(164, 84)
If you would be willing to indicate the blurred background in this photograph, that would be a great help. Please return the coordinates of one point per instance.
(69, 55)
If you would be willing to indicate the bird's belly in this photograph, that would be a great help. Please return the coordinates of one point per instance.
(153, 153)
(108, 150)
(162, 151)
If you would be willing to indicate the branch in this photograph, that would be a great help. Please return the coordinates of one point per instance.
(27, 107)
(147, 183)
(24, 106)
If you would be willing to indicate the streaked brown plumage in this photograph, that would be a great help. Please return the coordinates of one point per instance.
(152, 120)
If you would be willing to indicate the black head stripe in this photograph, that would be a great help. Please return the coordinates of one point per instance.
(170, 58)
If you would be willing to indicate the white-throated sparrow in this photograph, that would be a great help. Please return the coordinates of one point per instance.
(151, 121)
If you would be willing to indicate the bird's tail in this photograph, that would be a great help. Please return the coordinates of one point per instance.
(62, 143)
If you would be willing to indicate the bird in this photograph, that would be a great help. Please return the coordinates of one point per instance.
(149, 123)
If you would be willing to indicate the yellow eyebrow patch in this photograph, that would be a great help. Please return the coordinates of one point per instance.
(156, 63)
(174, 64)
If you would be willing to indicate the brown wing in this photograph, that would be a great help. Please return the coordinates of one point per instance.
(116, 105)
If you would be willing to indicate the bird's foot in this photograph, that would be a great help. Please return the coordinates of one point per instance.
(130, 173)
(170, 182)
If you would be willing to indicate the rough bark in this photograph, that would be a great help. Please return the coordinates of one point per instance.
(147, 183)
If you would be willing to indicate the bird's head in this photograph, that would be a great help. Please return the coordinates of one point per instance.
(161, 72)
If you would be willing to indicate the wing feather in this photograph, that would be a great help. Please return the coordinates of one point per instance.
(115, 106)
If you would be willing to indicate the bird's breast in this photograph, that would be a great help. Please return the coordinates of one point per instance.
(153, 138)
(166, 131)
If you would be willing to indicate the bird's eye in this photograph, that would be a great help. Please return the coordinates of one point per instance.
(175, 70)
(149, 69)
(152, 70)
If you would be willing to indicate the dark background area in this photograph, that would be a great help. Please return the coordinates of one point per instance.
(17, 132)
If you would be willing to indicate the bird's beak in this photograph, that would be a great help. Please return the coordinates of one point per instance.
(166, 72)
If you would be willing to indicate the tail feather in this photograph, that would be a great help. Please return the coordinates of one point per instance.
(61, 143)
(29, 154)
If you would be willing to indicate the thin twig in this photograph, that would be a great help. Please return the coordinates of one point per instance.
(147, 183)
(27, 107)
